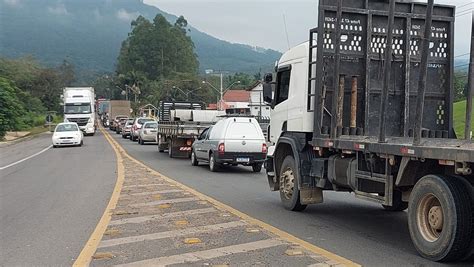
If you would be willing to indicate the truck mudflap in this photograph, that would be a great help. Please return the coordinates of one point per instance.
(270, 170)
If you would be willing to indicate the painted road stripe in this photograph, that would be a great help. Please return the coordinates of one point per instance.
(170, 234)
(156, 192)
(162, 216)
(142, 185)
(207, 254)
(27, 158)
(164, 201)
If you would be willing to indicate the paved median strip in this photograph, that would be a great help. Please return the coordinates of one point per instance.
(171, 234)
(174, 224)
(192, 257)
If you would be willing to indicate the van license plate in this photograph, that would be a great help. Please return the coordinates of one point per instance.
(243, 159)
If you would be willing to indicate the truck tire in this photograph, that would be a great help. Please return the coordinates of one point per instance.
(398, 203)
(170, 149)
(440, 218)
(194, 160)
(289, 191)
(213, 165)
(257, 167)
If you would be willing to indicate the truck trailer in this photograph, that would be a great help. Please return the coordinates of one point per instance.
(376, 83)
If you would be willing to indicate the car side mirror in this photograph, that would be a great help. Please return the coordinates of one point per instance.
(268, 85)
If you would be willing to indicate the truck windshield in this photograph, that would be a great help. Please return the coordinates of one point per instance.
(77, 108)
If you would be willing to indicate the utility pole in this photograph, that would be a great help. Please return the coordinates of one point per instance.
(221, 91)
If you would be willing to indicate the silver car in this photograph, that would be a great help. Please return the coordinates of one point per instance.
(148, 132)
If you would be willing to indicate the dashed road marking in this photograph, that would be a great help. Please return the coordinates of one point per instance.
(162, 216)
(207, 254)
(169, 234)
(164, 201)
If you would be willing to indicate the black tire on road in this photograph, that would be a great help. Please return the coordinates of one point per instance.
(398, 203)
(440, 218)
(257, 167)
(170, 149)
(289, 191)
(213, 165)
(194, 160)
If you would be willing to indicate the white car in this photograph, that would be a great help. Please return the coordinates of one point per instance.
(67, 134)
(231, 141)
(148, 132)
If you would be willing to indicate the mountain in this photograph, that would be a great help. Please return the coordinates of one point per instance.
(89, 33)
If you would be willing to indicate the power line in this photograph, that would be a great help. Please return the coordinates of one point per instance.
(462, 65)
(461, 6)
(465, 12)
(462, 55)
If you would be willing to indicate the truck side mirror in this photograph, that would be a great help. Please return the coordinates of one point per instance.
(268, 88)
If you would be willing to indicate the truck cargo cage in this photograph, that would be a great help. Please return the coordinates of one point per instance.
(347, 56)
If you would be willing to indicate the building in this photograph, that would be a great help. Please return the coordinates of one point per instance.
(257, 106)
(236, 102)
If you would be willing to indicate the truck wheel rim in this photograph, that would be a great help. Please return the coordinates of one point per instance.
(430, 218)
(192, 157)
(211, 162)
(287, 183)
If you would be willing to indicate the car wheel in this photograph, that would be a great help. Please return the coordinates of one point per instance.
(194, 160)
(257, 167)
(440, 218)
(55, 146)
(213, 165)
(82, 143)
(289, 191)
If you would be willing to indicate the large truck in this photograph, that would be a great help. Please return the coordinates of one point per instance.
(118, 108)
(180, 123)
(366, 106)
(79, 107)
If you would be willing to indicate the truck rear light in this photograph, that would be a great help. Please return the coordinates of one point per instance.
(221, 148)
(189, 142)
(264, 148)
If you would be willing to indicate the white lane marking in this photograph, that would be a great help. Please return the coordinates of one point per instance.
(191, 257)
(162, 216)
(27, 158)
(157, 192)
(142, 185)
(164, 201)
(170, 234)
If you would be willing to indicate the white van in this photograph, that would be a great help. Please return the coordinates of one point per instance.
(231, 141)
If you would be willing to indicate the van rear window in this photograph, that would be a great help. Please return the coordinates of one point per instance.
(243, 130)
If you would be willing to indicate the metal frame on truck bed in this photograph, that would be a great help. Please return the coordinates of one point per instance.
(378, 119)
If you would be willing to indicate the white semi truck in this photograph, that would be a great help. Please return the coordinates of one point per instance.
(79, 107)
(366, 106)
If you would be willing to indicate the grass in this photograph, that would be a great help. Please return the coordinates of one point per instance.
(459, 117)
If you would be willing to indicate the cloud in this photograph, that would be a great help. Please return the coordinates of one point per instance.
(60, 9)
(12, 3)
(123, 15)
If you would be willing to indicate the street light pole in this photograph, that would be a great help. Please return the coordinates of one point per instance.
(222, 94)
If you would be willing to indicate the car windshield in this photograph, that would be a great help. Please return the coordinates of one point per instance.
(67, 128)
(77, 108)
(142, 121)
(152, 125)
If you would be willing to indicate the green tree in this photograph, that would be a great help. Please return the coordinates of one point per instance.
(11, 108)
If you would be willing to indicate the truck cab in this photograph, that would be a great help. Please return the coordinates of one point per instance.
(79, 108)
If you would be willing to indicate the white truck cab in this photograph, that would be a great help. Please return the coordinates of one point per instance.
(79, 107)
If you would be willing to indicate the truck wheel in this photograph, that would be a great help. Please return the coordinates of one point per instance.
(170, 149)
(289, 191)
(194, 160)
(398, 204)
(440, 218)
(213, 165)
(257, 167)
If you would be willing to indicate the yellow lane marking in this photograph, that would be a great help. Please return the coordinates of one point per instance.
(282, 234)
(89, 249)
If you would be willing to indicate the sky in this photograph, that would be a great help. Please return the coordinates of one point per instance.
(261, 22)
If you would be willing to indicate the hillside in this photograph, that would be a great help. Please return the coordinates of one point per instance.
(89, 34)
(459, 117)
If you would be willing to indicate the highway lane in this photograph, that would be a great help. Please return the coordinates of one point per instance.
(51, 203)
(355, 229)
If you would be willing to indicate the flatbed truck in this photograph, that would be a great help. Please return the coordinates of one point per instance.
(376, 80)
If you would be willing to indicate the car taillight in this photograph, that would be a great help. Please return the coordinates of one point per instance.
(221, 148)
(264, 148)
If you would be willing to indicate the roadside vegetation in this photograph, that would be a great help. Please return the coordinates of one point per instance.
(28, 90)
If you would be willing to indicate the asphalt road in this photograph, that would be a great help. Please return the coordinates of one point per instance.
(51, 203)
(355, 229)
